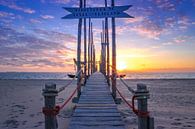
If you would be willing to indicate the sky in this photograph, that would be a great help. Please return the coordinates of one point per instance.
(34, 38)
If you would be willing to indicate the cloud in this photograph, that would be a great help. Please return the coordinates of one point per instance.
(19, 49)
(7, 18)
(168, 5)
(145, 27)
(12, 5)
(183, 22)
(34, 21)
(55, 36)
(178, 40)
(5, 14)
(60, 1)
(134, 20)
(47, 16)
(147, 32)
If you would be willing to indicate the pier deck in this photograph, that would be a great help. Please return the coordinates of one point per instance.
(96, 108)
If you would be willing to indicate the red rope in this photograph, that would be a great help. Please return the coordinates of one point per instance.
(132, 106)
(55, 111)
(136, 111)
(51, 112)
(64, 104)
(69, 98)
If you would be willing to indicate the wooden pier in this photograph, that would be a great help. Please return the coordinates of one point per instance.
(96, 108)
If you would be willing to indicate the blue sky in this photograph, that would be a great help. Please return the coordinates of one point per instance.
(33, 37)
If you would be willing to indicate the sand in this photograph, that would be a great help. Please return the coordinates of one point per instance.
(172, 104)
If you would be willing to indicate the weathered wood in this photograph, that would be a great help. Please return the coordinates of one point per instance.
(95, 127)
(96, 119)
(96, 108)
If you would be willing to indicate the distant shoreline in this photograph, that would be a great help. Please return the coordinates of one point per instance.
(117, 79)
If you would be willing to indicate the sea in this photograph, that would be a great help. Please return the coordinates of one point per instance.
(63, 75)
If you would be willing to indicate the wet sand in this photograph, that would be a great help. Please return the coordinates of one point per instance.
(172, 104)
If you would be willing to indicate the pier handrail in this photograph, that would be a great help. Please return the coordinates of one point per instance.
(141, 95)
(70, 82)
(51, 110)
(125, 84)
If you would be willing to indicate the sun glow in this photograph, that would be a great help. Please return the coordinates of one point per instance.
(121, 65)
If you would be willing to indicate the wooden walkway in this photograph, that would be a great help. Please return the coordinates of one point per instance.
(96, 108)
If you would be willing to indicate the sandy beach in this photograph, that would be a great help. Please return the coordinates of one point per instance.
(172, 103)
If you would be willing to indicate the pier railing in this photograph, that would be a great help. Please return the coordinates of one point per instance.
(141, 94)
(50, 110)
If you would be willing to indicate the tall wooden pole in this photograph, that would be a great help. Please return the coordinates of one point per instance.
(85, 45)
(91, 47)
(79, 53)
(89, 42)
(108, 50)
(94, 64)
(113, 55)
(104, 48)
(101, 56)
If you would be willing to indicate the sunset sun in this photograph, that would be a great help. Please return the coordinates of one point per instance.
(121, 65)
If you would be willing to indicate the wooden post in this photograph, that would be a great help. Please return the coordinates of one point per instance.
(85, 45)
(113, 55)
(91, 48)
(50, 94)
(103, 49)
(94, 64)
(101, 55)
(79, 53)
(142, 94)
(89, 42)
(108, 51)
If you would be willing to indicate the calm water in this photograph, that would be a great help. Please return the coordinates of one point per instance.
(48, 75)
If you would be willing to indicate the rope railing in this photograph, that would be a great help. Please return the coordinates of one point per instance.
(54, 111)
(125, 84)
(50, 92)
(70, 82)
(134, 97)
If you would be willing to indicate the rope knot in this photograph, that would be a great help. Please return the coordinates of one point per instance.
(51, 112)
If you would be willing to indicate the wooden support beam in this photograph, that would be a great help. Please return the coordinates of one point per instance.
(113, 55)
(89, 42)
(108, 49)
(91, 47)
(79, 52)
(85, 45)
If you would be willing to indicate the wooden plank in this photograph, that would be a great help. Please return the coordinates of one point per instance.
(96, 115)
(98, 123)
(95, 127)
(96, 119)
(96, 108)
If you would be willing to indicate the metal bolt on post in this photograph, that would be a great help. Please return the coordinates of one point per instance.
(50, 94)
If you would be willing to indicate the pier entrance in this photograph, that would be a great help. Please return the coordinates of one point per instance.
(97, 92)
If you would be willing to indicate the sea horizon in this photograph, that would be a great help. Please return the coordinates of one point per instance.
(130, 75)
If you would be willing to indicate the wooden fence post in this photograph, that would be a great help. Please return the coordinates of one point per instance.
(142, 94)
(50, 94)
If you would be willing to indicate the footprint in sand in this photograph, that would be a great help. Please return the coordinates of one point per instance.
(38, 124)
(24, 122)
(176, 123)
(177, 119)
(11, 123)
(32, 115)
(187, 126)
(160, 127)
